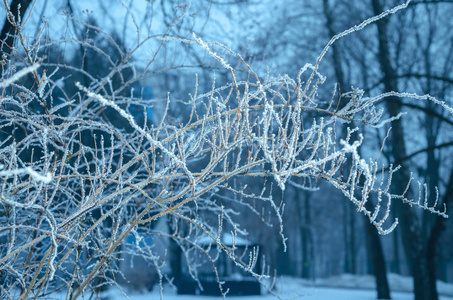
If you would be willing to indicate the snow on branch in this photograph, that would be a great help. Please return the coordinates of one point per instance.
(47, 178)
(18, 75)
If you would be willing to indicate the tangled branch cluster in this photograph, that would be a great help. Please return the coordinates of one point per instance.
(79, 174)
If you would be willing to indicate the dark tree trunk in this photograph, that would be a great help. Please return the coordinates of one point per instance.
(175, 261)
(395, 267)
(411, 232)
(377, 257)
(306, 239)
(346, 259)
(9, 30)
(350, 255)
(282, 261)
(175, 255)
(434, 238)
(378, 264)
(352, 243)
(336, 53)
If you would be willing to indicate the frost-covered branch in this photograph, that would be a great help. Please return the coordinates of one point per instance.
(83, 167)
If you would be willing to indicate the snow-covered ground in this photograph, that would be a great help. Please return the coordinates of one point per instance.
(322, 293)
(343, 287)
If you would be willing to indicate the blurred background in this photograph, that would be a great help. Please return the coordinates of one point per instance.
(410, 51)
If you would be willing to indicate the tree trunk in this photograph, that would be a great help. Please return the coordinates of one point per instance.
(377, 257)
(352, 243)
(346, 267)
(350, 254)
(395, 267)
(411, 231)
(304, 215)
(434, 238)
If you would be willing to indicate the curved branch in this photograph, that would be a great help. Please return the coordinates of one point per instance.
(429, 112)
(418, 75)
(430, 2)
(432, 148)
